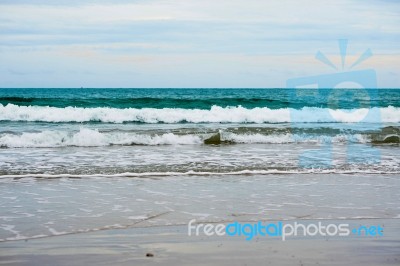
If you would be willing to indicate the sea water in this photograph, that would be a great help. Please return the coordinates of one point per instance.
(75, 160)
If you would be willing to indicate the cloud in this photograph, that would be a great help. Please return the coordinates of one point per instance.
(68, 2)
(100, 36)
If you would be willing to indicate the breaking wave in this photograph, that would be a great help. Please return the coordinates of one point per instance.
(94, 138)
(215, 114)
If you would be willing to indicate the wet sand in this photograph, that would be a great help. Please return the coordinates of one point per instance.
(170, 245)
(117, 221)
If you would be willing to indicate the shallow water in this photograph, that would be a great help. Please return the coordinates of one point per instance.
(40, 207)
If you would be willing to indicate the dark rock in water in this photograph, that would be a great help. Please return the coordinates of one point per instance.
(214, 139)
(392, 139)
(149, 254)
(388, 135)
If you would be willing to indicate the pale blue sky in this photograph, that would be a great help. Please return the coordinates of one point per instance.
(188, 43)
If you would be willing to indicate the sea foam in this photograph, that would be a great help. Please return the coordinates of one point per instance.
(216, 114)
(93, 138)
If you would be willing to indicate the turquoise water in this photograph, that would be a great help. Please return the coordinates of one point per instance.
(197, 98)
(80, 132)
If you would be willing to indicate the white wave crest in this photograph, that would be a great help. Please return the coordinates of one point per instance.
(293, 138)
(93, 138)
(216, 114)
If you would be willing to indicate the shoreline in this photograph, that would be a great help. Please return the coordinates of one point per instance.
(144, 221)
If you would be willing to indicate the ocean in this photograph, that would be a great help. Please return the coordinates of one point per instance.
(51, 132)
(76, 160)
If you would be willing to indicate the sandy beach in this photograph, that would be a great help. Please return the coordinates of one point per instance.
(75, 222)
(170, 245)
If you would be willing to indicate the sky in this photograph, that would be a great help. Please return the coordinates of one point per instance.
(192, 43)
